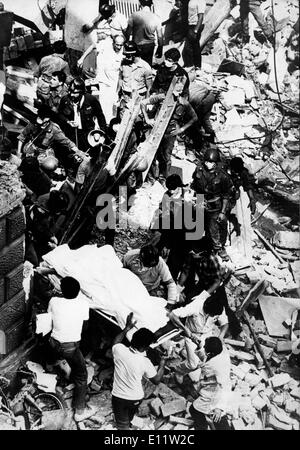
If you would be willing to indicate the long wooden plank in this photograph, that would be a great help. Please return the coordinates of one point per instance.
(253, 295)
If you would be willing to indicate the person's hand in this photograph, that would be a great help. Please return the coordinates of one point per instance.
(252, 206)
(151, 122)
(111, 168)
(72, 123)
(176, 131)
(165, 252)
(80, 62)
(221, 217)
(216, 415)
(85, 28)
(130, 323)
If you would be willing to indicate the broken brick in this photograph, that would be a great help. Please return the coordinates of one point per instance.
(279, 379)
(295, 393)
(181, 420)
(275, 423)
(234, 343)
(284, 346)
(173, 407)
(155, 406)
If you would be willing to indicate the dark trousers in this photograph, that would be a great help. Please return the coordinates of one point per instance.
(71, 353)
(147, 52)
(200, 422)
(253, 6)
(191, 53)
(216, 231)
(164, 155)
(124, 411)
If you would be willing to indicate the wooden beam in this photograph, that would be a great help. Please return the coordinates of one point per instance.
(253, 295)
(269, 246)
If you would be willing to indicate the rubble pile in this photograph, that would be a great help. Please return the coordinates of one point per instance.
(11, 190)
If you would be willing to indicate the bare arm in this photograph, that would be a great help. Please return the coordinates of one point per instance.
(129, 324)
(160, 372)
(199, 23)
(85, 54)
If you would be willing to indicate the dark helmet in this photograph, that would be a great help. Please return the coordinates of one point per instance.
(237, 164)
(146, 2)
(107, 11)
(130, 48)
(78, 85)
(212, 155)
(174, 181)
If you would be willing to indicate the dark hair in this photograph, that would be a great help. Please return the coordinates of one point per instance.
(44, 111)
(174, 181)
(201, 245)
(146, 2)
(59, 47)
(142, 338)
(58, 201)
(212, 307)
(78, 84)
(30, 164)
(70, 287)
(237, 164)
(173, 53)
(60, 75)
(149, 255)
(213, 345)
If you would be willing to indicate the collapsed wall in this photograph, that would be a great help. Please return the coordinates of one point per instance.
(12, 246)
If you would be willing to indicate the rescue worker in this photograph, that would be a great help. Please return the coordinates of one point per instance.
(167, 70)
(135, 76)
(108, 23)
(80, 113)
(241, 177)
(144, 26)
(253, 6)
(191, 53)
(45, 138)
(58, 89)
(211, 180)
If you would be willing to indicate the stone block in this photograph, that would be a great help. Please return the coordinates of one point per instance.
(14, 336)
(295, 393)
(174, 407)
(12, 311)
(15, 224)
(284, 346)
(2, 232)
(11, 256)
(280, 379)
(14, 282)
(155, 406)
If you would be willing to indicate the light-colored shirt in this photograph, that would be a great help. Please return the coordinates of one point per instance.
(135, 76)
(195, 7)
(215, 395)
(130, 368)
(117, 24)
(151, 277)
(145, 25)
(108, 64)
(197, 321)
(53, 63)
(68, 316)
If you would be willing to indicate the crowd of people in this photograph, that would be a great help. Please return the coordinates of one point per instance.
(65, 142)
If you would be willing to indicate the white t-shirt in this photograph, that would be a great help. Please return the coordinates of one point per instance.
(68, 316)
(195, 7)
(130, 367)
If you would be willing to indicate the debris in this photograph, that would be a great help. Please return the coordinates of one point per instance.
(287, 240)
(279, 379)
(173, 407)
(284, 346)
(234, 343)
(156, 405)
(181, 420)
(275, 310)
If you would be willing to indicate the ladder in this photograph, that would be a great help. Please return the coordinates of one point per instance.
(99, 175)
(148, 148)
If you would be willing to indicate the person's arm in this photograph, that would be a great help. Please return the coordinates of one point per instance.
(85, 54)
(148, 81)
(99, 115)
(198, 27)
(19, 150)
(226, 189)
(223, 331)
(160, 41)
(129, 29)
(186, 268)
(190, 115)
(160, 373)
(130, 323)
(87, 27)
(252, 204)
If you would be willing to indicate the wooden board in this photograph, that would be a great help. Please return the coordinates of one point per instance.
(253, 294)
(275, 310)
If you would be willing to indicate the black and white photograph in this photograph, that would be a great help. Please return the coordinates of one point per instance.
(149, 218)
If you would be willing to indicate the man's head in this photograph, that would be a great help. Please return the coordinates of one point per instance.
(211, 158)
(142, 339)
(77, 89)
(236, 164)
(107, 11)
(172, 57)
(201, 248)
(173, 182)
(212, 308)
(146, 3)
(57, 202)
(70, 287)
(149, 255)
(59, 47)
(213, 346)
(43, 116)
(178, 4)
(130, 51)
(118, 43)
(5, 148)
(58, 79)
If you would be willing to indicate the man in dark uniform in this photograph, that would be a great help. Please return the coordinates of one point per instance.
(77, 113)
(253, 6)
(211, 180)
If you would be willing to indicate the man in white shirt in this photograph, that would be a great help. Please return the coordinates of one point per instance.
(191, 53)
(131, 365)
(214, 387)
(68, 314)
(202, 314)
